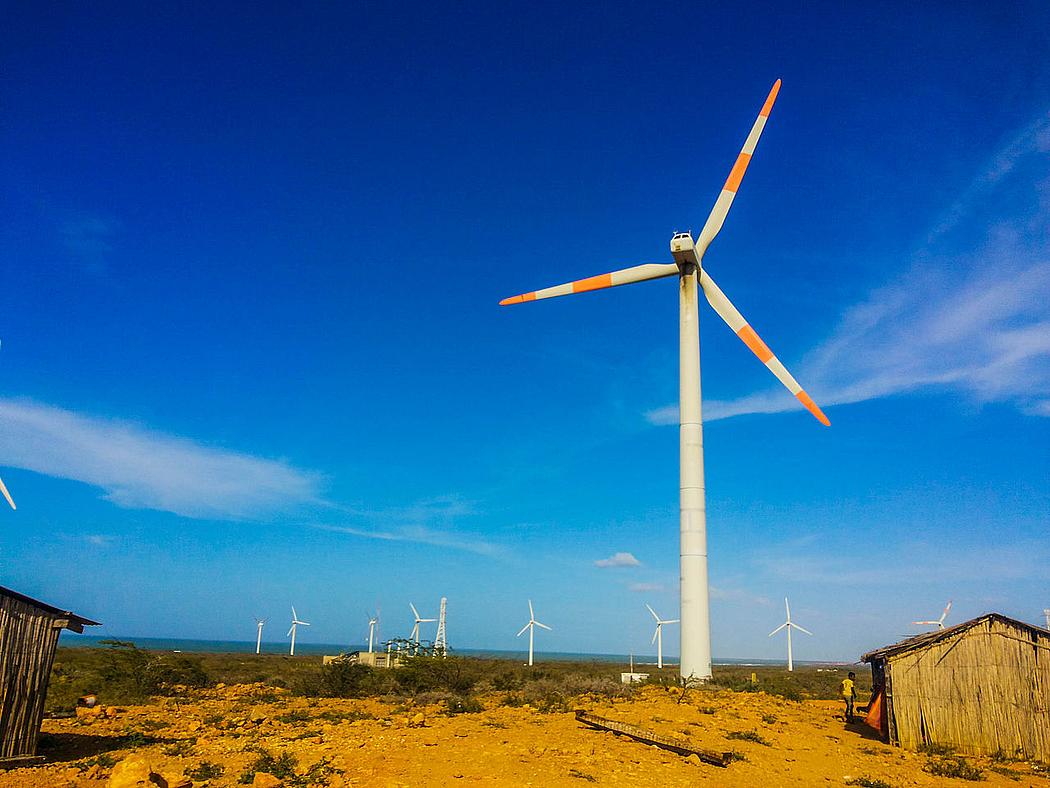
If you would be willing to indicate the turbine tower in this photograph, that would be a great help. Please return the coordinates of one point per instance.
(789, 625)
(531, 626)
(415, 630)
(687, 266)
(658, 637)
(295, 623)
(1046, 615)
(939, 623)
(440, 640)
(373, 623)
(258, 637)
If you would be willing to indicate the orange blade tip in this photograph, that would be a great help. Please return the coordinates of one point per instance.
(768, 106)
(806, 400)
(512, 300)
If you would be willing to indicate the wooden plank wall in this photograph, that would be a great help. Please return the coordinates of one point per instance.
(28, 639)
(987, 690)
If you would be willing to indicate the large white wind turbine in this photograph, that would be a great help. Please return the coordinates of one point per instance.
(687, 266)
(531, 626)
(789, 625)
(258, 637)
(939, 623)
(415, 630)
(658, 636)
(295, 623)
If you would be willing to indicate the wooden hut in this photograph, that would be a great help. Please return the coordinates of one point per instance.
(981, 687)
(29, 633)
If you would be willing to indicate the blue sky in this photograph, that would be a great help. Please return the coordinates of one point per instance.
(252, 354)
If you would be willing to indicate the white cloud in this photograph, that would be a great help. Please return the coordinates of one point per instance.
(976, 323)
(645, 588)
(618, 560)
(139, 468)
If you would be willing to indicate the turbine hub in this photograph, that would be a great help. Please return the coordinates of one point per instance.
(683, 249)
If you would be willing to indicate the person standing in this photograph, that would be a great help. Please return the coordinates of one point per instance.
(849, 694)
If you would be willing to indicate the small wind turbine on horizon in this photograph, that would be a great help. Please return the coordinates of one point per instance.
(789, 625)
(658, 636)
(688, 255)
(415, 630)
(373, 624)
(295, 623)
(7, 495)
(531, 626)
(1046, 615)
(258, 638)
(939, 623)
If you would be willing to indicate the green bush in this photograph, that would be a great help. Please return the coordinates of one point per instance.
(205, 771)
(430, 674)
(867, 782)
(747, 736)
(954, 766)
(468, 705)
(281, 766)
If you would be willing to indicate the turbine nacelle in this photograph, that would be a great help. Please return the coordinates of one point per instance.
(684, 250)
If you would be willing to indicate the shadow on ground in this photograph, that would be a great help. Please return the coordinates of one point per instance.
(65, 747)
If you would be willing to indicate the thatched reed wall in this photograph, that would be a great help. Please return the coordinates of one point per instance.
(29, 633)
(982, 687)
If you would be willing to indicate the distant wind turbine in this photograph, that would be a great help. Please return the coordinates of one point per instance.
(415, 630)
(658, 636)
(295, 623)
(939, 623)
(7, 495)
(373, 623)
(1046, 615)
(258, 638)
(789, 625)
(531, 626)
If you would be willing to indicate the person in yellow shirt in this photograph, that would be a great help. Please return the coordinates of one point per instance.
(849, 694)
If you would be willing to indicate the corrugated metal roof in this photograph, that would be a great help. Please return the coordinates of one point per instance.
(928, 638)
(78, 622)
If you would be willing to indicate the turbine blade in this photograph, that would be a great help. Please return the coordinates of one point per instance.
(655, 633)
(801, 629)
(787, 608)
(777, 629)
(294, 614)
(303, 623)
(537, 623)
(7, 495)
(654, 614)
(522, 632)
(729, 313)
(427, 620)
(671, 621)
(718, 214)
(531, 614)
(944, 615)
(928, 623)
(289, 632)
(414, 611)
(625, 276)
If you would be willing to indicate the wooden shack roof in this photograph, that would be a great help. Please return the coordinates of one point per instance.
(928, 638)
(73, 621)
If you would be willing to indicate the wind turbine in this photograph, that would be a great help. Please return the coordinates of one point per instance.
(7, 495)
(687, 266)
(415, 630)
(258, 638)
(295, 623)
(789, 625)
(373, 624)
(1046, 615)
(939, 623)
(658, 636)
(531, 626)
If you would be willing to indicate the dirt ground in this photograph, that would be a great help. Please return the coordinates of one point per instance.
(373, 743)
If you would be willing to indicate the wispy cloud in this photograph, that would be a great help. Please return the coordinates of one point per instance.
(89, 237)
(646, 588)
(420, 535)
(617, 560)
(976, 322)
(139, 468)
(738, 595)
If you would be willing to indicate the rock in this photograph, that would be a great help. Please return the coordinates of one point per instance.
(256, 714)
(265, 780)
(220, 686)
(111, 711)
(89, 712)
(132, 772)
(94, 772)
(694, 759)
(418, 719)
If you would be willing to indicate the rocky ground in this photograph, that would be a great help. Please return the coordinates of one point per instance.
(253, 734)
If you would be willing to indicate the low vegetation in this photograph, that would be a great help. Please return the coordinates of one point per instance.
(954, 766)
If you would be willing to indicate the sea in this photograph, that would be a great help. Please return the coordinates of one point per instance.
(184, 646)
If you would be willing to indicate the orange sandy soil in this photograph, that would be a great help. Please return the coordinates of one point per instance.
(808, 743)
